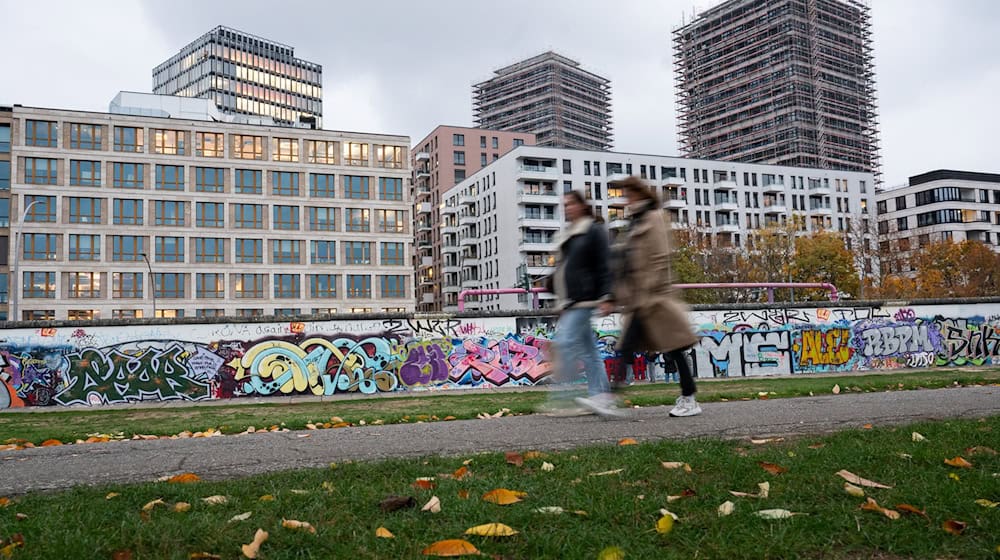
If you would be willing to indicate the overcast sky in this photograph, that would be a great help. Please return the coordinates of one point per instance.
(403, 67)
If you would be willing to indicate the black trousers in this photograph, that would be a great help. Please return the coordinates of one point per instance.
(628, 346)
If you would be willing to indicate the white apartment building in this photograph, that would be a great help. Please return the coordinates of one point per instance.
(940, 205)
(125, 212)
(507, 214)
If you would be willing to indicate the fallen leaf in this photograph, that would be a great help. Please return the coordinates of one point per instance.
(853, 478)
(300, 492)
(393, 503)
(184, 478)
(853, 490)
(664, 524)
(987, 503)
(451, 547)
(491, 530)
(215, 500)
(548, 467)
(203, 556)
(150, 505)
(872, 505)
(241, 517)
(514, 458)
(905, 456)
(532, 455)
(463, 494)
(112, 495)
(327, 486)
(907, 508)
(776, 514)
(22, 517)
(971, 451)
(298, 525)
(954, 477)
(267, 498)
(552, 510)
(503, 496)
(606, 473)
(461, 473)
(817, 446)
(687, 493)
(251, 550)
(726, 508)
(836, 389)
(51, 443)
(121, 555)
(867, 426)
(181, 507)
(954, 527)
(767, 440)
(383, 533)
(676, 465)
(628, 441)
(764, 491)
(4, 502)
(670, 513)
(917, 437)
(612, 553)
(433, 506)
(772, 467)
(958, 462)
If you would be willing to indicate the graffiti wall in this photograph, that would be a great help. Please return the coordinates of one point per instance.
(84, 365)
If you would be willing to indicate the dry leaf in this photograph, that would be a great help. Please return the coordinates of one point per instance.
(853, 490)
(383, 533)
(987, 503)
(726, 508)
(776, 514)
(907, 508)
(872, 505)
(664, 524)
(958, 462)
(150, 505)
(121, 555)
(300, 492)
(606, 473)
(954, 527)
(767, 440)
(22, 517)
(181, 507)
(491, 530)
(514, 458)
(676, 465)
(548, 467)
(463, 494)
(298, 525)
(867, 426)
(215, 500)
(51, 443)
(451, 547)
(504, 497)
(461, 473)
(817, 446)
(251, 550)
(670, 513)
(553, 510)
(425, 484)
(393, 503)
(628, 441)
(241, 517)
(612, 553)
(836, 389)
(975, 450)
(772, 467)
(917, 437)
(433, 506)
(184, 478)
(853, 478)
(764, 491)
(203, 556)
(112, 495)
(531, 455)
(327, 486)
(267, 498)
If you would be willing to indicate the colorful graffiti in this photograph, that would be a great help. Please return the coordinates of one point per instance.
(111, 365)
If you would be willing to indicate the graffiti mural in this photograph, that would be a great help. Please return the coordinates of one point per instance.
(95, 366)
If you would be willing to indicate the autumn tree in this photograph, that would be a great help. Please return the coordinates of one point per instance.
(823, 257)
(949, 269)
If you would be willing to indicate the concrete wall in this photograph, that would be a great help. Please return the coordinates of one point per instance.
(109, 363)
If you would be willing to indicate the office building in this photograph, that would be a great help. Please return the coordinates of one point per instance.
(550, 96)
(124, 214)
(507, 215)
(6, 122)
(440, 161)
(247, 76)
(785, 82)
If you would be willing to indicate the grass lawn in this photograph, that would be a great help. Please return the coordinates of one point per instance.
(341, 502)
(69, 425)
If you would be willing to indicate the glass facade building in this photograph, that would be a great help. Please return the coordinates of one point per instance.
(245, 75)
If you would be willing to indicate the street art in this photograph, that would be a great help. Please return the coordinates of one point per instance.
(95, 366)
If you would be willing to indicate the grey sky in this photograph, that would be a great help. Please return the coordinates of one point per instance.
(403, 67)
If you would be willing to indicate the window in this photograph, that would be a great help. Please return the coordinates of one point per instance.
(323, 252)
(285, 149)
(169, 249)
(322, 186)
(586, 168)
(392, 254)
(169, 285)
(126, 313)
(518, 142)
(390, 221)
(359, 286)
(357, 219)
(169, 313)
(864, 187)
(209, 144)
(356, 187)
(901, 203)
(248, 147)
(128, 212)
(394, 286)
(250, 312)
(357, 252)
(322, 219)
(39, 315)
(457, 139)
(4, 138)
(44, 211)
(286, 217)
(482, 141)
(249, 181)
(128, 175)
(40, 246)
(390, 188)
(85, 173)
(459, 158)
(355, 153)
(390, 157)
(210, 214)
(85, 210)
(321, 151)
(323, 310)
(84, 247)
(4, 175)
(496, 143)
(169, 142)
(85, 136)
(209, 285)
(248, 286)
(170, 177)
(39, 285)
(248, 216)
(209, 250)
(249, 251)
(286, 286)
(127, 248)
(286, 251)
(210, 179)
(880, 207)
(169, 212)
(285, 183)
(128, 139)
(287, 311)
(84, 284)
(567, 166)
(482, 159)
(323, 285)
(459, 175)
(41, 171)
(40, 133)
(210, 313)
(902, 224)
(126, 285)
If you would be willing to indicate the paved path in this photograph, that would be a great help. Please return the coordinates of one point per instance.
(243, 455)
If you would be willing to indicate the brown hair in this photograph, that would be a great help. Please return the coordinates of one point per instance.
(578, 198)
(637, 186)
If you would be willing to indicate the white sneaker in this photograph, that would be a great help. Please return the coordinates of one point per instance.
(603, 405)
(686, 406)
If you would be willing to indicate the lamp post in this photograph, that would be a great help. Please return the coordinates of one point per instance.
(15, 285)
(152, 284)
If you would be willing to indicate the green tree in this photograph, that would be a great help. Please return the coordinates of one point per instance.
(822, 257)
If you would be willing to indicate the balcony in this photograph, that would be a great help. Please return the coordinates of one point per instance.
(421, 173)
(468, 241)
(451, 289)
(676, 203)
(821, 209)
(726, 185)
(536, 246)
(537, 172)
(426, 262)
(471, 284)
(819, 189)
(422, 156)
(540, 223)
(450, 249)
(424, 208)
(775, 208)
(726, 205)
(466, 199)
(538, 197)
(450, 229)
(727, 228)
(468, 262)
(616, 177)
(426, 281)
(449, 210)
(773, 188)
(421, 192)
(427, 298)
(468, 220)
(673, 181)
(452, 268)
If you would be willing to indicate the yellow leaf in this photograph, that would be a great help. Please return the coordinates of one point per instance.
(628, 441)
(181, 507)
(383, 533)
(767, 440)
(531, 455)
(251, 550)
(606, 473)
(675, 465)
(612, 553)
(215, 500)
(553, 510)
(150, 505)
(267, 498)
(664, 525)
(853, 490)
(872, 505)
(203, 556)
(112, 495)
(954, 477)
(4, 502)
(241, 517)
(503, 496)
(451, 547)
(184, 478)
(298, 525)
(300, 492)
(461, 473)
(491, 530)
(917, 437)
(51, 443)
(987, 503)
(764, 490)
(433, 506)
(726, 508)
(851, 477)
(958, 462)
(954, 527)
(548, 467)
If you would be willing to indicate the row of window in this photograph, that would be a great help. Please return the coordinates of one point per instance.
(92, 314)
(135, 248)
(209, 285)
(212, 144)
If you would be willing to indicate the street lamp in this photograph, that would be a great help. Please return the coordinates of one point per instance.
(15, 285)
(152, 284)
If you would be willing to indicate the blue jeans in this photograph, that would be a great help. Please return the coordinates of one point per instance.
(575, 343)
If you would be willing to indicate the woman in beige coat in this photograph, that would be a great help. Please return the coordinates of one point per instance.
(654, 321)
